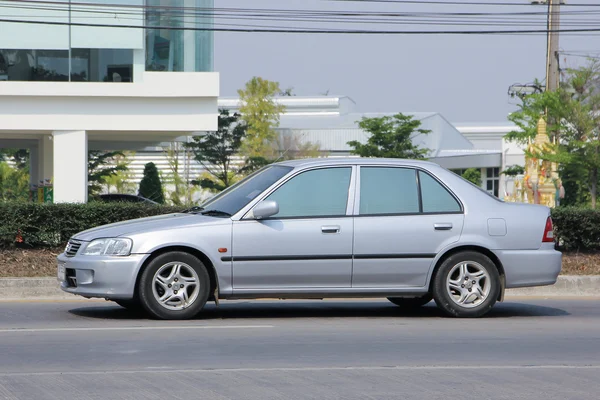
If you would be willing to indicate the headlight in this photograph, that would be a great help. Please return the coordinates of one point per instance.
(108, 247)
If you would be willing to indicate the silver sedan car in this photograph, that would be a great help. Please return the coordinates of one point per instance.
(409, 231)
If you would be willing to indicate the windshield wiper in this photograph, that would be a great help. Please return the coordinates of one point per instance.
(215, 213)
(194, 209)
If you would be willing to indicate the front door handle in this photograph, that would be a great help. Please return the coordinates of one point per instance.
(442, 227)
(330, 229)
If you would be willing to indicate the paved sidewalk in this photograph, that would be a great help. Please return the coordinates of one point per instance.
(48, 289)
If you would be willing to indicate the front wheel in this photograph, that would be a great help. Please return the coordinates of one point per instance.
(466, 285)
(174, 285)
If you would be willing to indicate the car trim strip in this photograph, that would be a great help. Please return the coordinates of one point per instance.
(328, 257)
(393, 256)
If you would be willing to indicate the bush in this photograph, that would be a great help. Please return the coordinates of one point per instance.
(51, 225)
(150, 185)
(577, 229)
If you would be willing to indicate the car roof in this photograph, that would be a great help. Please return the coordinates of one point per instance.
(315, 162)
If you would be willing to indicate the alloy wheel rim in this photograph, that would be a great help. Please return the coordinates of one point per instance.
(176, 286)
(468, 284)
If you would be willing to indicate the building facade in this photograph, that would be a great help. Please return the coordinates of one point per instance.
(332, 121)
(78, 77)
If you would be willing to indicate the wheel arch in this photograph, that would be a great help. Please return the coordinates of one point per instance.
(212, 273)
(471, 247)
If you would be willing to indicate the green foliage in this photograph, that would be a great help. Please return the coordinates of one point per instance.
(150, 185)
(121, 180)
(261, 114)
(183, 192)
(513, 170)
(216, 152)
(573, 116)
(19, 156)
(576, 228)
(14, 183)
(473, 175)
(39, 225)
(390, 137)
(101, 165)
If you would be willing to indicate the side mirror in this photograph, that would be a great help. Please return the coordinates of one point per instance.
(265, 209)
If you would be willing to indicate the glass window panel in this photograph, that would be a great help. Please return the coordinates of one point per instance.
(436, 197)
(320, 192)
(388, 191)
(179, 49)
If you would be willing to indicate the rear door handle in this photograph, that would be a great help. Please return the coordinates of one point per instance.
(442, 227)
(330, 229)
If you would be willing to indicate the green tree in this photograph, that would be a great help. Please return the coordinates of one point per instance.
(101, 165)
(14, 183)
(20, 157)
(473, 175)
(390, 137)
(574, 111)
(179, 177)
(261, 113)
(217, 152)
(150, 185)
(121, 180)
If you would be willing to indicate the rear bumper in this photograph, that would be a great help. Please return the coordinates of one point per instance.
(525, 268)
(104, 277)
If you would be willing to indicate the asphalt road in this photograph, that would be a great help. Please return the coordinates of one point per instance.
(525, 349)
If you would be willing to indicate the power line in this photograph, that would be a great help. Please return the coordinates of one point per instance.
(452, 3)
(308, 31)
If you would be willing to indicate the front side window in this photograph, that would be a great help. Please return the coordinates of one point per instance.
(315, 193)
(388, 190)
(436, 199)
(236, 197)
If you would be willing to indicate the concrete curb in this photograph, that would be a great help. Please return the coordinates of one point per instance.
(48, 288)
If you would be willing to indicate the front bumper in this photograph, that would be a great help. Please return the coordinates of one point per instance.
(101, 276)
(527, 268)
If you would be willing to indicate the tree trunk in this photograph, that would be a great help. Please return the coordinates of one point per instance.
(594, 186)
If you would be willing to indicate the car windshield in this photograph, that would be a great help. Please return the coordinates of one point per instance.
(236, 197)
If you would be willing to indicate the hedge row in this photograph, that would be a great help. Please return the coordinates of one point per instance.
(51, 225)
(577, 229)
(43, 225)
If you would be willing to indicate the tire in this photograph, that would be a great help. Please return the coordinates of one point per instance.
(174, 286)
(411, 302)
(131, 305)
(450, 285)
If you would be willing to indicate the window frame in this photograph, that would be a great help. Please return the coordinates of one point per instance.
(416, 170)
(247, 215)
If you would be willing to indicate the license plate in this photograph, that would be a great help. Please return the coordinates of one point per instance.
(61, 273)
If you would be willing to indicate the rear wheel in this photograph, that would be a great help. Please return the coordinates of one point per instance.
(411, 302)
(174, 285)
(467, 284)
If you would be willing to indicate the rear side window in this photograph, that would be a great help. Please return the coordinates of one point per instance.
(436, 198)
(388, 190)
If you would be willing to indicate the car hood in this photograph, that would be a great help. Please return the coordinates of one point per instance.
(155, 223)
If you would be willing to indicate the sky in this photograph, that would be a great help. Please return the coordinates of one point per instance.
(463, 77)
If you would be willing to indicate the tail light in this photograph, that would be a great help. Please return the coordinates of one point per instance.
(548, 231)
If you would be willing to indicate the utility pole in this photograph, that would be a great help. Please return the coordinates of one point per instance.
(552, 67)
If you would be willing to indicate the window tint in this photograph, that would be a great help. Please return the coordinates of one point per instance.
(388, 191)
(320, 192)
(236, 197)
(435, 197)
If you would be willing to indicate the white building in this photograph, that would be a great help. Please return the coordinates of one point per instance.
(331, 121)
(68, 86)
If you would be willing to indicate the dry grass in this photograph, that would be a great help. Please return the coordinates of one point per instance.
(40, 263)
(28, 263)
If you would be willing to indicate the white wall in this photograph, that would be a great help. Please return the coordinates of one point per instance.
(163, 102)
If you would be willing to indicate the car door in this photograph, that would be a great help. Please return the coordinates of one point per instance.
(404, 217)
(307, 244)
